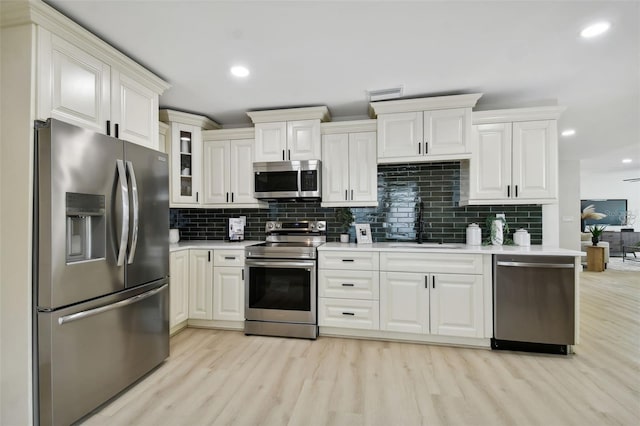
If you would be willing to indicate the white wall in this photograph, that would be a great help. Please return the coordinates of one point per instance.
(16, 170)
(569, 204)
(603, 185)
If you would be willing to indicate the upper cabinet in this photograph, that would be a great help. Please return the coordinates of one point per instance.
(228, 169)
(288, 134)
(515, 158)
(426, 129)
(86, 84)
(349, 169)
(185, 146)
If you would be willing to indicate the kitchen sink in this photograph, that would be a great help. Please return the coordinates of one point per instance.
(427, 245)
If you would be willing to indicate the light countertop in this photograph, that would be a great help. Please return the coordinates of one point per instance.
(211, 245)
(452, 248)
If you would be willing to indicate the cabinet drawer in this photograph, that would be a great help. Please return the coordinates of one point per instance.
(431, 262)
(228, 258)
(349, 313)
(350, 260)
(348, 284)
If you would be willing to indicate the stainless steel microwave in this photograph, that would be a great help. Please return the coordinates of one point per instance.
(288, 180)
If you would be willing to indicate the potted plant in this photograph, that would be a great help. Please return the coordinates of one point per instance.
(344, 217)
(596, 232)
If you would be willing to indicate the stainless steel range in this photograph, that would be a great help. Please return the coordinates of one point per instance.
(281, 291)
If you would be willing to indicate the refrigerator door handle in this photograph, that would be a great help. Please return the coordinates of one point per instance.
(124, 232)
(95, 311)
(136, 212)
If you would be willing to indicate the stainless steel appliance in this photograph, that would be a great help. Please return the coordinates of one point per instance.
(281, 284)
(534, 303)
(288, 180)
(101, 266)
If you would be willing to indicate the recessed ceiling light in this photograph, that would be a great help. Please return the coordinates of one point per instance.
(568, 132)
(595, 30)
(239, 71)
(627, 160)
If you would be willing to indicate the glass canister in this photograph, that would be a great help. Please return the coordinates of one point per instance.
(474, 235)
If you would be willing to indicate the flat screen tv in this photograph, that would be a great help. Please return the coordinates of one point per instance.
(614, 209)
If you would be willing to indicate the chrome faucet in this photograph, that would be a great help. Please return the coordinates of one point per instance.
(420, 223)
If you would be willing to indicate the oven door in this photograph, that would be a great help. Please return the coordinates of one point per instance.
(281, 290)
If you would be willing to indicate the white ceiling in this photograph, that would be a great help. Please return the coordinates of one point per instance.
(302, 53)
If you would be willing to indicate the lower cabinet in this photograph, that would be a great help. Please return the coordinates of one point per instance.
(228, 285)
(200, 284)
(178, 287)
(348, 313)
(442, 304)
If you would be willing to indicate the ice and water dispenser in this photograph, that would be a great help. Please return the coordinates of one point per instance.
(86, 227)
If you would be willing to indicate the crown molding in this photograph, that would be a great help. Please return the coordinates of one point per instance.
(423, 104)
(348, 126)
(163, 127)
(229, 134)
(517, 114)
(14, 13)
(307, 113)
(173, 116)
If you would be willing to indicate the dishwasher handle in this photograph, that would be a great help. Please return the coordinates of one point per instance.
(536, 265)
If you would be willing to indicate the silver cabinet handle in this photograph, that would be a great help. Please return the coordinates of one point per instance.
(136, 212)
(536, 265)
(95, 311)
(124, 232)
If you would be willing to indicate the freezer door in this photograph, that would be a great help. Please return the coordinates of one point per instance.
(148, 247)
(89, 353)
(79, 228)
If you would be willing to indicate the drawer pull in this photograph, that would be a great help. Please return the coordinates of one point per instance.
(229, 258)
(348, 284)
(348, 313)
(347, 260)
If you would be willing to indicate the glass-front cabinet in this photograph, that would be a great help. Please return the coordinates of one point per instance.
(186, 164)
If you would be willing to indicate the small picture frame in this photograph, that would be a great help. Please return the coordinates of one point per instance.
(363, 233)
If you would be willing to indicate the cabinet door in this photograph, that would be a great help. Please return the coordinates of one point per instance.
(200, 285)
(446, 131)
(335, 167)
(179, 287)
(400, 135)
(241, 171)
(73, 86)
(186, 163)
(535, 159)
(404, 302)
(228, 294)
(490, 165)
(271, 141)
(303, 140)
(217, 159)
(363, 168)
(456, 305)
(134, 109)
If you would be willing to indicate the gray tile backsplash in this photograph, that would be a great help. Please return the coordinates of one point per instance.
(400, 188)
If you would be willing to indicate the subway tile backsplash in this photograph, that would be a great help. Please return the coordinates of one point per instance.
(400, 189)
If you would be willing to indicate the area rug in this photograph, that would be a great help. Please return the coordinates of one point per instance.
(616, 264)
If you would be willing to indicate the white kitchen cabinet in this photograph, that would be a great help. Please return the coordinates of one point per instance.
(185, 164)
(513, 162)
(291, 140)
(455, 302)
(77, 84)
(228, 173)
(426, 129)
(179, 287)
(404, 302)
(200, 284)
(228, 285)
(349, 170)
(288, 134)
(348, 289)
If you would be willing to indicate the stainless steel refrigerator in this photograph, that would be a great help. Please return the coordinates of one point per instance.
(101, 266)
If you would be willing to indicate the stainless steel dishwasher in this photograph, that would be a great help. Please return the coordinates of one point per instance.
(534, 303)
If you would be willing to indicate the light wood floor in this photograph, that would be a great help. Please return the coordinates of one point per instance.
(225, 378)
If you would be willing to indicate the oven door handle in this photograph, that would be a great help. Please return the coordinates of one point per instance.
(280, 264)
